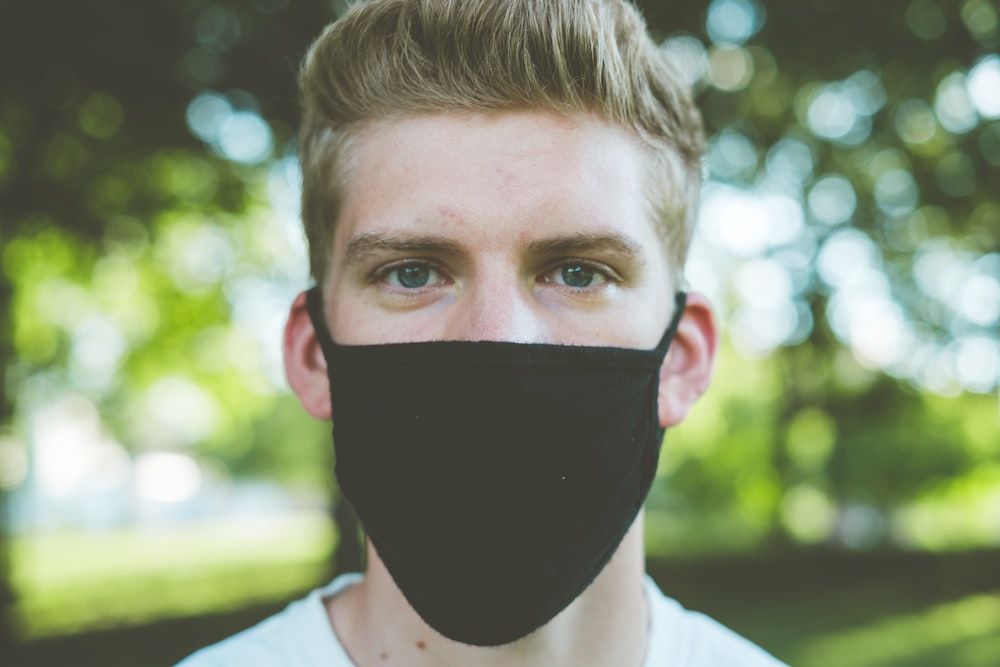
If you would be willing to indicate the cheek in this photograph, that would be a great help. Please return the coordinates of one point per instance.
(351, 320)
(651, 314)
(360, 320)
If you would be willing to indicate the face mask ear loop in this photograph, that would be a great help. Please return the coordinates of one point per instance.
(314, 306)
(680, 301)
(652, 454)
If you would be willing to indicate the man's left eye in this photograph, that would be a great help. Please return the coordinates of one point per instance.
(578, 275)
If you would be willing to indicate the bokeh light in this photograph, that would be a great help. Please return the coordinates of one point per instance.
(915, 122)
(178, 411)
(733, 22)
(832, 200)
(730, 68)
(953, 105)
(238, 135)
(689, 56)
(896, 192)
(925, 19)
(167, 477)
(984, 86)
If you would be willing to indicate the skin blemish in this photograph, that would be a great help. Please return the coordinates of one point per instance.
(451, 216)
(421, 645)
(384, 655)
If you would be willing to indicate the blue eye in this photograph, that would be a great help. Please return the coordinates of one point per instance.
(413, 276)
(577, 275)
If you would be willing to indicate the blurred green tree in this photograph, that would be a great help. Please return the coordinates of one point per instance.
(850, 242)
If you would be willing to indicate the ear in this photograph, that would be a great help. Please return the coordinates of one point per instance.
(687, 370)
(305, 366)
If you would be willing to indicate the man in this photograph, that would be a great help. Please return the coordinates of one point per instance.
(498, 196)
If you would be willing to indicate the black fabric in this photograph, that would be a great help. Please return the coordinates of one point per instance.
(494, 479)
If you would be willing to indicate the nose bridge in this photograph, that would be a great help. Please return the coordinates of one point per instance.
(498, 307)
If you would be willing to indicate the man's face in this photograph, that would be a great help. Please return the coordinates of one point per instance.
(527, 227)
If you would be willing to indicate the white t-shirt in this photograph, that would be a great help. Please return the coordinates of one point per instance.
(302, 636)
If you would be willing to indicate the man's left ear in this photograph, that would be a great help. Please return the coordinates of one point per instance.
(687, 370)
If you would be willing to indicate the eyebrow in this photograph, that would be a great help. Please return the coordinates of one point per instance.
(584, 242)
(364, 245)
(371, 243)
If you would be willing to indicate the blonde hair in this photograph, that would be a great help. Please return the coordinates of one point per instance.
(389, 58)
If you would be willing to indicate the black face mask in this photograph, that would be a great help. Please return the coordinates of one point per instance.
(495, 480)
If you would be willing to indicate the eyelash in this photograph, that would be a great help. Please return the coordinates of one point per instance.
(382, 273)
(609, 275)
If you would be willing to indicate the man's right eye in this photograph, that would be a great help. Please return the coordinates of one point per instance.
(412, 276)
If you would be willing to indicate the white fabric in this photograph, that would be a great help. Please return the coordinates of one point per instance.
(301, 636)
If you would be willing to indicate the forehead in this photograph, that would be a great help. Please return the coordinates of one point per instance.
(497, 177)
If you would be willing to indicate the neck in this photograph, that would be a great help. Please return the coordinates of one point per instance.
(606, 625)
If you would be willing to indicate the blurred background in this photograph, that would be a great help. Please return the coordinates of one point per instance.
(835, 496)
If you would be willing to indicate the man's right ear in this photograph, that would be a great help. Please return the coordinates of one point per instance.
(305, 366)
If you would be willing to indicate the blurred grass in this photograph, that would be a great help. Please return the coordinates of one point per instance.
(72, 582)
(915, 638)
(149, 598)
(830, 609)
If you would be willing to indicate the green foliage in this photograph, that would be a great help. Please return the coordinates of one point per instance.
(140, 249)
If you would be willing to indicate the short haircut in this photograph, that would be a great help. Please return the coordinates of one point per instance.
(387, 59)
